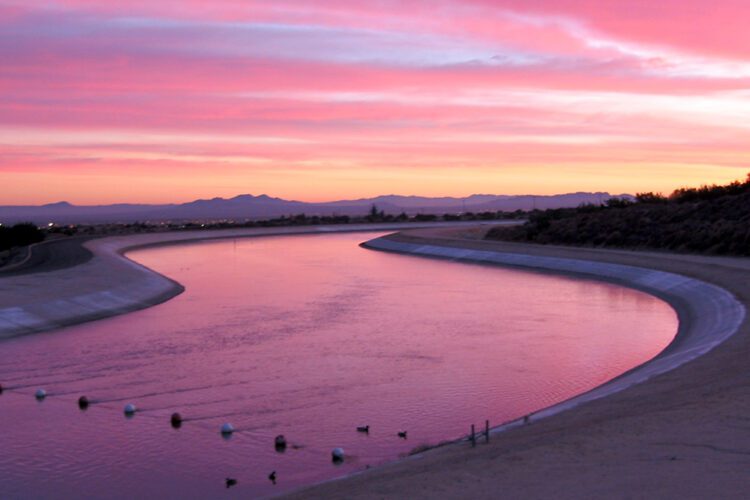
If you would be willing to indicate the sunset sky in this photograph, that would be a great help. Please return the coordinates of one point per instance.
(106, 101)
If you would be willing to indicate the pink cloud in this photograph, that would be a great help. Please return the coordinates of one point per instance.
(327, 86)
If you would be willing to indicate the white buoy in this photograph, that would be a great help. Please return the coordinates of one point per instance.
(129, 409)
(40, 394)
(227, 429)
(337, 454)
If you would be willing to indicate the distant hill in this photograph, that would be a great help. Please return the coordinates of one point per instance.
(248, 207)
(709, 219)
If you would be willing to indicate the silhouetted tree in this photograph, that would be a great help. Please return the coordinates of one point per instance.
(374, 215)
(651, 198)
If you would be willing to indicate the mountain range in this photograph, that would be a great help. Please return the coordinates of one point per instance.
(246, 206)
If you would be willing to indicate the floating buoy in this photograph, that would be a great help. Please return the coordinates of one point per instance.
(337, 454)
(175, 420)
(40, 394)
(272, 477)
(227, 429)
(83, 402)
(280, 442)
(129, 410)
(364, 428)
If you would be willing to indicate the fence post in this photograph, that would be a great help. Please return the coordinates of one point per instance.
(487, 431)
(473, 437)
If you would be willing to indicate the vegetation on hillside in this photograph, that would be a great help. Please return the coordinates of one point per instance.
(709, 219)
(19, 235)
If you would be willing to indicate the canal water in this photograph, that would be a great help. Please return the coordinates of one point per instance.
(309, 337)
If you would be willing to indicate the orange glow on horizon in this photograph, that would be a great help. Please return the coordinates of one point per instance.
(312, 187)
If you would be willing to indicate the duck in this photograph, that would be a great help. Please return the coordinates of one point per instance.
(279, 442)
(175, 420)
(402, 434)
(272, 477)
(364, 428)
(230, 482)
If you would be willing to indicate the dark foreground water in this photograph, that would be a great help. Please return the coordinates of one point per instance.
(310, 337)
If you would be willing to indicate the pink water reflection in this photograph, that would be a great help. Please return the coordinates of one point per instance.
(306, 336)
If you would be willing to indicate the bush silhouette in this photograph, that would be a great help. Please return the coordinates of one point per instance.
(709, 219)
(19, 235)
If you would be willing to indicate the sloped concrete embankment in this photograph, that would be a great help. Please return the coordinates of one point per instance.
(106, 285)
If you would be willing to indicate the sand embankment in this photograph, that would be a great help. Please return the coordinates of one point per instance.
(78, 280)
(685, 432)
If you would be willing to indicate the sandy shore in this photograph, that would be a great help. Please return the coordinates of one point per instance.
(684, 433)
